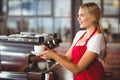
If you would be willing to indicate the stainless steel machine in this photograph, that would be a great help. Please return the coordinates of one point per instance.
(18, 63)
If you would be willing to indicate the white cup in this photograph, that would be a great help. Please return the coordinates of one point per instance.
(38, 48)
(42, 65)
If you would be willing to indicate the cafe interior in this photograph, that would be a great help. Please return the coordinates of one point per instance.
(26, 23)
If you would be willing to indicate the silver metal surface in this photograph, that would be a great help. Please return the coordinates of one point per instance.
(18, 63)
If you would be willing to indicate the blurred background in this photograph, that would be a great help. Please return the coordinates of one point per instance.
(60, 16)
(55, 16)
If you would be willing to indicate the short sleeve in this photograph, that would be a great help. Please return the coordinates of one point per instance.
(78, 35)
(96, 44)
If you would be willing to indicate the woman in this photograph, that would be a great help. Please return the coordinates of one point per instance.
(83, 56)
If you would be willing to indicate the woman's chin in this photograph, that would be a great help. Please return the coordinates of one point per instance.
(82, 27)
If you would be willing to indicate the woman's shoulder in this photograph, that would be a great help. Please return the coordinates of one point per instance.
(78, 35)
(96, 38)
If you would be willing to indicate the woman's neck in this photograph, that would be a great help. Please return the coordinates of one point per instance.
(89, 31)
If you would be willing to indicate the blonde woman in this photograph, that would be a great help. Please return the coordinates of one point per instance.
(82, 58)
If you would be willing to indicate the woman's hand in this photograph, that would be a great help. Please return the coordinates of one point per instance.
(47, 54)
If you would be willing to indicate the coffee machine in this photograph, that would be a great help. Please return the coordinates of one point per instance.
(18, 63)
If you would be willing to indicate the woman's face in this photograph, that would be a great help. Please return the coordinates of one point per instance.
(84, 19)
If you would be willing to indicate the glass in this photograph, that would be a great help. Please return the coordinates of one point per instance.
(45, 25)
(111, 24)
(2, 28)
(95, 1)
(111, 28)
(29, 25)
(3, 7)
(13, 25)
(63, 28)
(41, 16)
(14, 7)
(44, 7)
(29, 7)
(111, 7)
(62, 8)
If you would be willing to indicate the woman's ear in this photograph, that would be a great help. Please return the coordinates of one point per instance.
(92, 18)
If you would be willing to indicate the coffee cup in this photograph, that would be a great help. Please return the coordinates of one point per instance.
(42, 65)
(38, 48)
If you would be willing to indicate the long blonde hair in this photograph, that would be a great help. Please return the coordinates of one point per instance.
(95, 12)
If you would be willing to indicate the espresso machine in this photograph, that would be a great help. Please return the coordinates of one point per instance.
(18, 63)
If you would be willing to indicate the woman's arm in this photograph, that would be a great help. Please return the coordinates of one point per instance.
(65, 61)
(83, 63)
(48, 54)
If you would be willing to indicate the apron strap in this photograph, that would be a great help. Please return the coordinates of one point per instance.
(95, 30)
(80, 37)
(89, 37)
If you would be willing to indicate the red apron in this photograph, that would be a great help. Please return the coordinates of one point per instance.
(95, 71)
